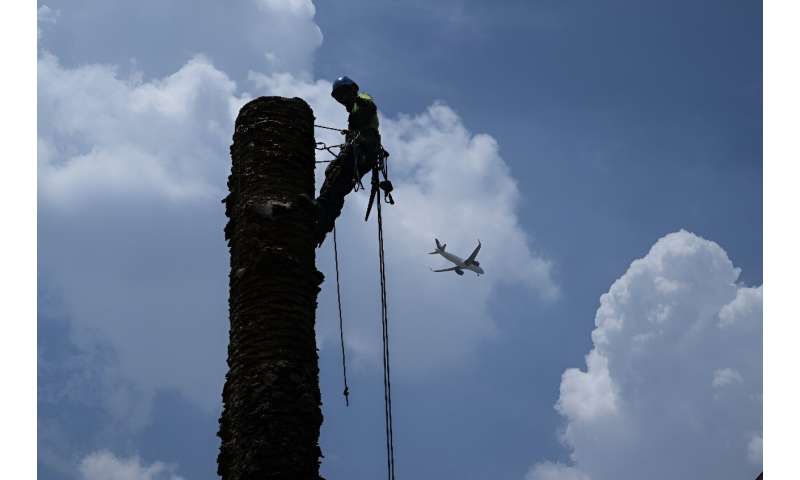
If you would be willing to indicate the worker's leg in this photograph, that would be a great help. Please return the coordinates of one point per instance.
(338, 182)
(340, 177)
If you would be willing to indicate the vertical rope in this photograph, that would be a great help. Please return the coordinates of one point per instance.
(346, 391)
(387, 382)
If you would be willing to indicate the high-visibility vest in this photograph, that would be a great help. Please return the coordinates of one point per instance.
(363, 116)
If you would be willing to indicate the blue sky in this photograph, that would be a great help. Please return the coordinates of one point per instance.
(571, 137)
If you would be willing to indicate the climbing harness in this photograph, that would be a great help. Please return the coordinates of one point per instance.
(357, 154)
(381, 167)
(323, 146)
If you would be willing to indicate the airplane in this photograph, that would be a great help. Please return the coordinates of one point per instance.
(469, 264)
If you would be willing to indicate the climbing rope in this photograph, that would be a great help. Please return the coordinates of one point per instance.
(387, 381)
(346, 392)
(380, 167)
(330, 128)
(323, 146)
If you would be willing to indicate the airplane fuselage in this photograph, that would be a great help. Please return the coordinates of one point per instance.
(461, 263)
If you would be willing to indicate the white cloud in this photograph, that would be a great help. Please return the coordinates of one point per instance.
(726, 376)
(653, 387)
(101, 135)
(104, 465)
(587, 395)
(303, 8)
(755, 450)
(47, 15)
(738, 313)
(290, 35)
(236, 35)
(555, 471)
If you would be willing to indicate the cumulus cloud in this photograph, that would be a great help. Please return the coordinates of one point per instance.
(290, 19)
(673, 336)
(588, 395)
(104, 136)
(104, 465)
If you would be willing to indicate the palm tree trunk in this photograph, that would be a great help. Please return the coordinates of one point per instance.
(271, 417)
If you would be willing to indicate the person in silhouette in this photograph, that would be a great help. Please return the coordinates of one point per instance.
(357, 157)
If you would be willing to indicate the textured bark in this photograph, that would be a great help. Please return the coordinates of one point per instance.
(271, 418)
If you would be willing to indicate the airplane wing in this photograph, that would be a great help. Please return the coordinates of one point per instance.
(445, 269)
(474, 255)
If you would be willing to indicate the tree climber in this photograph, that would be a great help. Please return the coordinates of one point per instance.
(357, 157)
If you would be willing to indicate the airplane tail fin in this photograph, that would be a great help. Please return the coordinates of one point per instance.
(439, 247)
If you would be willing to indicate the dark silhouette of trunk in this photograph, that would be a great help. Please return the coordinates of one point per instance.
(271, 418)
